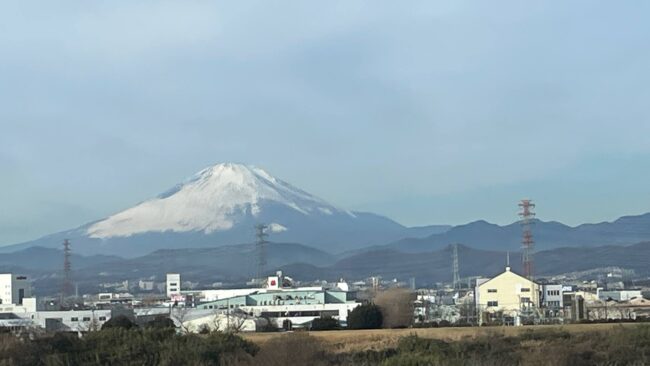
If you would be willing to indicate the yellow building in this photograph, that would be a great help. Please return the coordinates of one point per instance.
(507, 298)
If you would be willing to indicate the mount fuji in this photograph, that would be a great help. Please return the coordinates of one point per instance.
(221, 205)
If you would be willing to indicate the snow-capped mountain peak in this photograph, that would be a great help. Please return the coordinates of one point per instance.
(214, 199)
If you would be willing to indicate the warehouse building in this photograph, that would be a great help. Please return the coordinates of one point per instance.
(278, 303)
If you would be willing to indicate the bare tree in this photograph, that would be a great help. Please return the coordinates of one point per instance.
(397, 307)
(179, 315)
(236, 321)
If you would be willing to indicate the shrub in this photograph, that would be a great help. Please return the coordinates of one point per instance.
(160, 322)
(119, 346)
(291, 349)
(396, 306)
(367, 316)
(120, 321)
(325, 323)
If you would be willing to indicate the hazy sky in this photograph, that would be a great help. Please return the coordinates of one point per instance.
(427, 112)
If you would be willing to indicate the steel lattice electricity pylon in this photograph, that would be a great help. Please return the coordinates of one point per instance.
(66, 290)
(454, 257)
(260, 246)
(527, 215)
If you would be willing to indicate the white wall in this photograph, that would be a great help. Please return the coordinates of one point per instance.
(73, 321)
(11, 286)
(173, 284)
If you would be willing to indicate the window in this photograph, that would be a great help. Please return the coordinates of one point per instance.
(525, 290)
(86, 318)
(493, 303)
(74, 319)
(492, 290)
(102, 318)
(525, 300)
(173, 284)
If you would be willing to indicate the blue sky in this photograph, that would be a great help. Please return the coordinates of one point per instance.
(427, 112)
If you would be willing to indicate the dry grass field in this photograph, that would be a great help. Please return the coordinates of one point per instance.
(378, 339)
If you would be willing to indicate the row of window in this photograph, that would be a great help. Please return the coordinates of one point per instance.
(524, 300)
(553, 292)
(232, 306)
(279, 314)
(493, 290)
(86, 319)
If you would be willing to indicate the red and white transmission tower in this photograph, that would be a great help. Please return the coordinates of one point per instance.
(527, 215)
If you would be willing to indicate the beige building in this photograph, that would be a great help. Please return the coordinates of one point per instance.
(507, 298)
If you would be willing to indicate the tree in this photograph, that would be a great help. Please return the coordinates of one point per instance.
(325, 323)
(397, 307)
(120, 321)
(179, 316)
(367, 316)
(160, 322)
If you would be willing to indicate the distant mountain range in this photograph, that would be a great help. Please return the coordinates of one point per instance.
(204, 227)
(547, 235)
(435, 266)
(237, 263)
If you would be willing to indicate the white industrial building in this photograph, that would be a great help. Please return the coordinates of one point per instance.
(18, 310)
(173, 285)
(14, 288)
(618, 295)
(68, 321)
(283, 306)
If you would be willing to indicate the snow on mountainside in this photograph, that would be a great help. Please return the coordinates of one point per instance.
(215, 199)
(219, 206)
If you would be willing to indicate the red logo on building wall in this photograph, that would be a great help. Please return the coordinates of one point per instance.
(272, 282)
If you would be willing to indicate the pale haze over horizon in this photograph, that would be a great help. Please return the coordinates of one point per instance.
(425, 112)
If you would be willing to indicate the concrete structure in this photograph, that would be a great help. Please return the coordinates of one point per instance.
(146, 285)
(507, 298)
(290, 307)
(13, 323)
(14, 288)
(173, 285)
(618, 295)
(284, 306)
(574, 309)
(28, 306)
(191, 320)
(108, 299)
(68, 321)
(552, 296)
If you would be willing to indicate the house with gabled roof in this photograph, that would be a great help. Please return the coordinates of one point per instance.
(508, 298)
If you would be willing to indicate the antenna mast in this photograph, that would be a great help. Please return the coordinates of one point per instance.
(260, 246)
(527, 215)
